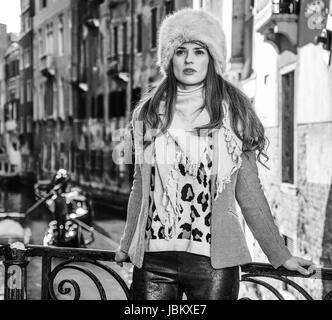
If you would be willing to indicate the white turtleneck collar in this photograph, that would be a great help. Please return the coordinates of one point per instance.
(188, 108)
(184, 92)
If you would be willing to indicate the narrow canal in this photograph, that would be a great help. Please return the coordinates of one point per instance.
(109, 222)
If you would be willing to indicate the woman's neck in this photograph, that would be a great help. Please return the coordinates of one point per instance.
(189, 104)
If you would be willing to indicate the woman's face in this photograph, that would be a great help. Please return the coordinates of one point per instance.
(190, 65)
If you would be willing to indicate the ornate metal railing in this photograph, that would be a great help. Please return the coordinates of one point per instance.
(251, 272)
(56, 260)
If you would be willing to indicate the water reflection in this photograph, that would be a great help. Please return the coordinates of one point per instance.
(19, 200)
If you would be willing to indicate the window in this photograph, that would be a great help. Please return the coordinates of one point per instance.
(23, 25)
(27, 58)
(22, 124)
(93, 107)
(22, 93)
(117, 104)
(61, 37)
(49, 39)
(100, 106)
(53, 156)
(97, 163)
(41, 96)
(154, 28)
(71, 157)
(29, 124)
(287, 127)
(115, 41)
(61, 99)
(81, 112)
(80, 161)
(42, 4)
(124, 37)
(139, 33)
(29, 91)
(169, 6)
(93, 156)
(28, 23)
(49, 97)
(63, 160)
(41, 43)
(45, 156)
(101, 47)
(266, 79)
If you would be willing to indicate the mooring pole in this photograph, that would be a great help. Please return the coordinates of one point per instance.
(15, 272)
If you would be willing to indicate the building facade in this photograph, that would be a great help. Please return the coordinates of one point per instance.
(3, 48)
(114, 62)
(12, 165)
(287, 75)
(25, 112)
(52, 107)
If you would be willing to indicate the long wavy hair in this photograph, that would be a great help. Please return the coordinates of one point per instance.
(217, 89)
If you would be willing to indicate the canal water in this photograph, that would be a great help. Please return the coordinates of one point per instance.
(109, 226)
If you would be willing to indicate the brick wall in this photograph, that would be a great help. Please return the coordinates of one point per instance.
(303, 211)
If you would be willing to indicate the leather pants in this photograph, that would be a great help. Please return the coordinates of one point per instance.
(167, 275)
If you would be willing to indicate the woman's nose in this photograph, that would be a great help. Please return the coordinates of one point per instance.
(189, 57)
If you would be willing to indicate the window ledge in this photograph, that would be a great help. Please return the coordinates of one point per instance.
(288, 188)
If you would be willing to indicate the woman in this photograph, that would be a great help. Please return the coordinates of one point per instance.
(195, 140)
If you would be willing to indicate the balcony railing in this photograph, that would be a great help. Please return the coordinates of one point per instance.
(79, 261)
(285, 6)
(47, 65)
(118, 64)
(280, 24)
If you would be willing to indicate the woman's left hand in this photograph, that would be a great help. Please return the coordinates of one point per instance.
(297, 264)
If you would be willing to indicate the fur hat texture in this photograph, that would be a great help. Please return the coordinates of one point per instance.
(188, 25)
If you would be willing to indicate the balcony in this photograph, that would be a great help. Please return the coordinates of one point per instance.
(47, 66)
(93, 24)
(82, 264)
(280, 26)
(118, 65)
(11, 125)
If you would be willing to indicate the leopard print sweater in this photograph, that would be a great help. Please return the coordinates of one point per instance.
(193, 228)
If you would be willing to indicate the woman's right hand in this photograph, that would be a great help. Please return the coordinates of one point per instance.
(120, 257)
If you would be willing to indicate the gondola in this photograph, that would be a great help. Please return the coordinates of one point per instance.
(71, 210)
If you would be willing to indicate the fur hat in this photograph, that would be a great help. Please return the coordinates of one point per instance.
(188, 25)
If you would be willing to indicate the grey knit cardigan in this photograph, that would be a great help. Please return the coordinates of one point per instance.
(228, 244)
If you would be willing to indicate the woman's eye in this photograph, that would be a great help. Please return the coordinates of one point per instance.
(199, 52)
(179, 52)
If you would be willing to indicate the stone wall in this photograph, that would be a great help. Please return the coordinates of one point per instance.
(302, 211)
